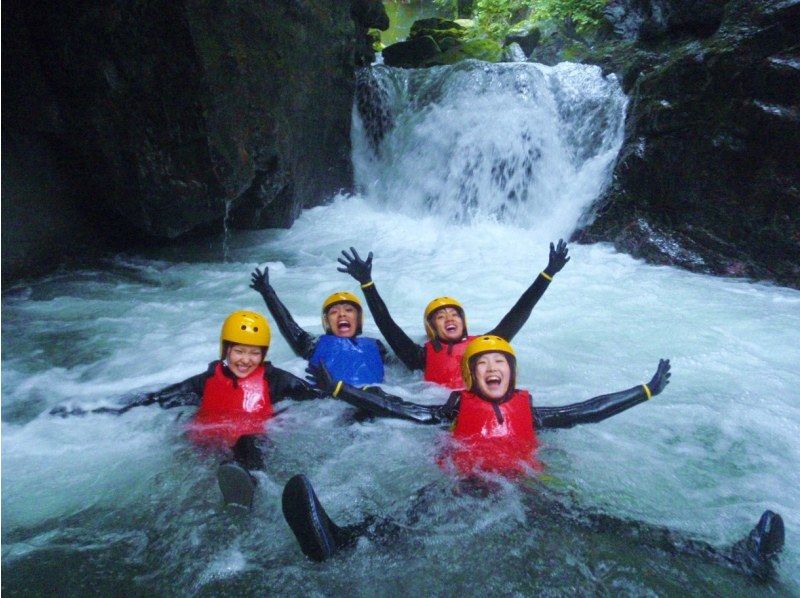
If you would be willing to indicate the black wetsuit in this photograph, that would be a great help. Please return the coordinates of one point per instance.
(381, 404)
(413, 355)
(301, 342)
(754, 555)
(282, 385)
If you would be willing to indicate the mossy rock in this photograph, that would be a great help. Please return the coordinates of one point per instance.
(480, 49)
(374, 36)
(425, 26)
(420, 51)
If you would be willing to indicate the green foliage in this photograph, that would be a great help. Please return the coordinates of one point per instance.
(495, 18)
(585, 14)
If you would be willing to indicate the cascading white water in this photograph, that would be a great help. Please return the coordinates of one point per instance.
(478, 167)
(513, 142)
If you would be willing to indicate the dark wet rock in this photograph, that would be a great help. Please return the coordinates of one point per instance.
(367, 15)
(436, 41)
(372, 101)
(708, 176)
(527, 39)
(411, 53)
(171, 116)
(651, 19)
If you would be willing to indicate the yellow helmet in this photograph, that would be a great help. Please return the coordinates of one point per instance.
(342, 297)
(245, 328)
(439, 303)
(485, 344)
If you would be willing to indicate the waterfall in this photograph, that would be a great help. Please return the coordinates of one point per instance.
(512, 142)
(465, 174)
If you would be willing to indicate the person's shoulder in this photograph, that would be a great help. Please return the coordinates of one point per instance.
(212, 366)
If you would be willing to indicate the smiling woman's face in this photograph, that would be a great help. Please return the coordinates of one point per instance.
(492, 375)
(244, 359)
(342, 319)
(448, 324)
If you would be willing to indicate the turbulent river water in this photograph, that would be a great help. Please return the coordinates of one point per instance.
(473, 171)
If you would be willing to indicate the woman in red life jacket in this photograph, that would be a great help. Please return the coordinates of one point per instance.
(444, 320)
(493, 431)
(235, 398)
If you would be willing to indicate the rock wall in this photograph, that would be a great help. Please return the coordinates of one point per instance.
(708, 177)
(172, 114)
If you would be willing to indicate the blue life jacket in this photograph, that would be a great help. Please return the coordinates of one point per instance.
(355, 360)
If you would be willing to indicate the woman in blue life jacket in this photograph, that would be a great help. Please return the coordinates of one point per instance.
(345, 353)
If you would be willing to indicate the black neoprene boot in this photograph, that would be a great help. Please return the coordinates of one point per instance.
(236, 484)
(318, 536)
(757, 553)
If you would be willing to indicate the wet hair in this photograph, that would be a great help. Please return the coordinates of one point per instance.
(228, 344)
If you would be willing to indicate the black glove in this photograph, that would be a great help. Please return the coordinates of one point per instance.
(62, 411)
(359, 269)
(318, 376)
(260, 281)
(558, 258)
(660, 378)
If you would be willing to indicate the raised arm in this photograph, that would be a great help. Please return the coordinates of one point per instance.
(378, 403)
(604, 406)
(410, 353)
(301, 342)
(186, 393)
(519, 314)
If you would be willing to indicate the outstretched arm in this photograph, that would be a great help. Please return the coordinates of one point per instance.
(285, 385)
(376, 402)
(301, 342)
(409, 352)
(519, 314)
(188, 392)
(604, 406)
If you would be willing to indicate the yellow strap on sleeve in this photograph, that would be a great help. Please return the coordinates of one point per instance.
(647, 391)
(547, 276)
(366, 285)
(338, 388)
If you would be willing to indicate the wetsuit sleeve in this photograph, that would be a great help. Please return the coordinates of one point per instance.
(515, 319)
(301, 342)
(284, 385)
(591, 411)
(379, 403)
(410, 353)
(182, 394)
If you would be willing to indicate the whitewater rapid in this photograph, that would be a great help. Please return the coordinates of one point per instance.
(130, 501)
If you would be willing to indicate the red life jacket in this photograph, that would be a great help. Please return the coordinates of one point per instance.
(229, 411)
(444, 366)
(485, 443)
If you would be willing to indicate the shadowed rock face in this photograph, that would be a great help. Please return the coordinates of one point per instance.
(708, 177)
(167, 116)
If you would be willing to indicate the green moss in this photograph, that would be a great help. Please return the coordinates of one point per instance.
(480, 49)
(374, 36)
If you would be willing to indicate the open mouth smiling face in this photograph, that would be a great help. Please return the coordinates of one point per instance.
(492, 375)
(448, 324)
(343, 319)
